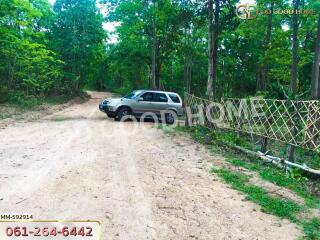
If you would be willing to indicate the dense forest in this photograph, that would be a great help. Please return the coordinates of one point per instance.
(47, 49)
(203, 47)
(181, 45)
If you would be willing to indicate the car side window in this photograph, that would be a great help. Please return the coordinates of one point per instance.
(147, 97)
(174, 98)
(160, 97)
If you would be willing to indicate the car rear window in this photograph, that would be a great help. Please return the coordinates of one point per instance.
(174, 98)
(160, 97)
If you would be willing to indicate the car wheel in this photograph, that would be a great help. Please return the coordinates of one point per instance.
(123, 112)
(169, 118)
(110, 115)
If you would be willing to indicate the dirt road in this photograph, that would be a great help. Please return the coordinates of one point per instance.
(138, 181)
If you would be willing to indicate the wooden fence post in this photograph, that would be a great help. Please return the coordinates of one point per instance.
(265, 139)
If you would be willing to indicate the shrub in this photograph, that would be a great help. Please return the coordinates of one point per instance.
(23, 100)
(4, 94)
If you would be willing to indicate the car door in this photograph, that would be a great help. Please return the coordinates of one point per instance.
(143, 103)
(159, 103)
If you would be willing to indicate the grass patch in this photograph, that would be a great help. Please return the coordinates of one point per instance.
(226, 137)
(23, 101)
(279, 207)
(276, 206)
(296, 180)
(312, 229)
(4, 116)
(216, 142)
(293, 181)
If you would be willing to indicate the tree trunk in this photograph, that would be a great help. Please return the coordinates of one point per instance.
(314, 124)
(213, 43)
(295, 44)
(262, 86)
(154, 51)
(294, 69)
(187, 64)
(11, 69)
(263, 78)
(210, 51)
(316, 65)
(137, 77)
(154, 58)
(187, 73)
(157, 73)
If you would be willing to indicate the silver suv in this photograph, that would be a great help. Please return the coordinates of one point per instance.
(144, 103)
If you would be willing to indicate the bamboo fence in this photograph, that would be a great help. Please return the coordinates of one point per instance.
(296, 123)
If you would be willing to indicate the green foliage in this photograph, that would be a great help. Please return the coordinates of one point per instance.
(63, 49)
(312, 229)
(218, 141)
(279, 207)
(26, 62)
(309, 157)
(182, 33)
(217, 137)
(295, 180)
(4, 94)
(276, 206)
(39, 55)
(43, 69)
(22, 100)
(77, 37)
(141, 21)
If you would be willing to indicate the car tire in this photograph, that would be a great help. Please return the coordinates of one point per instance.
(110, 115)
(170, 119)
(123, 112)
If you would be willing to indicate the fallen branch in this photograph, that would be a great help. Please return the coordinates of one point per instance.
(291, 164)
(275, 160)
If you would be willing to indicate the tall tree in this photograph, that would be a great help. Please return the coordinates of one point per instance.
(26, 61)
(158, 24)
(316, 65)
(183, 42)
(295, 45)
(263, 79)
(210, 51)
(213, 41)
(155, 50)
(294, 68)
(78, 36)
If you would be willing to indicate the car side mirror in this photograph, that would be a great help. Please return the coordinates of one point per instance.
(140, 99)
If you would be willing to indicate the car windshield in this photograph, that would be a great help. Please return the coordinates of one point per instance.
(132, 95)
